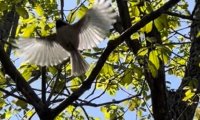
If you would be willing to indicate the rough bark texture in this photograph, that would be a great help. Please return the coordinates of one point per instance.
(179, 109)
(157, 84)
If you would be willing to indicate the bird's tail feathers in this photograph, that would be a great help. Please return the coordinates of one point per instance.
(79, 65)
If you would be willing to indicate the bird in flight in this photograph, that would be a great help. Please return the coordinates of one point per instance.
(70, 38)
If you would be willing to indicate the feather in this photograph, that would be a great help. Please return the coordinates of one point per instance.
(41, 51)
(96, 24)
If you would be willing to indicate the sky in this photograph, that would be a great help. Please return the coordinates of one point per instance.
(70, 4)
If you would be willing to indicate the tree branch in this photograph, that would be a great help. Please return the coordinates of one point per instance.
(13, 95)
(179, 15)
(21, 83)
(134, 45)
(111, 46)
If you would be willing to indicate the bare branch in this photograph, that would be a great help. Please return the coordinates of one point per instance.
(179, 15)
(13, 95)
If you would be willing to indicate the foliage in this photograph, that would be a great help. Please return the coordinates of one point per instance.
(122, 77)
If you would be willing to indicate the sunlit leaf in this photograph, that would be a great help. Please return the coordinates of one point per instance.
(143, 51)
(81, 11)
(153, 57)
(164, 53)
(106, 112)
(127, 78)
(75, 84)
(8, 114)
(188, 95)
(107, 70)
(152, 69)
(53, 70)
(161, 22)
(114, 57)
(134, 103)
(39, 10)
(147, 28)
(139, 113)
(71, 16)
(27, 70)
(28, 30)
(70, 108)
(135, 11)
(29, 113)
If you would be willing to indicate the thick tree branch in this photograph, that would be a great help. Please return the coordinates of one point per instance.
(134, 45)
(21, 83)
(111, 46)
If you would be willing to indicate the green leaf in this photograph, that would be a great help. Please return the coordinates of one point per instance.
(17, 1)
(8, 114)
(135, 11)
(153, 57)
(52, 70)
(152, 69)
(27, 70)
(75, 83)
(70, 109)
(107, 70)
(22, 12)
(3, 6)
(21, 104)
(39, 10)
(71, 16)
(143, 51)
(106, 112)
(139, 113)
(188, 95)
(147, 28)
(161, 22)
(2, 103)
(2, 78)
(198, 34)
(137, 70)
(127, 79)
(29, 113)
(114, 57)
(81, 11)
(164, 53)
(28, 30)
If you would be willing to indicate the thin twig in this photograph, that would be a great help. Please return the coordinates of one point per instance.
(13, 95)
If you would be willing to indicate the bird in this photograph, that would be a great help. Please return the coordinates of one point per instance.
(69, 39)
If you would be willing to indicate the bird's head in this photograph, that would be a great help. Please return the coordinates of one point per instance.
(60, 23)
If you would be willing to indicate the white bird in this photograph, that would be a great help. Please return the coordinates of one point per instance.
(69, 39)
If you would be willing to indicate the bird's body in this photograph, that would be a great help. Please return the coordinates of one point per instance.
(69, 39)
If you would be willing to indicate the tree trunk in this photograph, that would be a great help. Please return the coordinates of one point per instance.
(179, 109)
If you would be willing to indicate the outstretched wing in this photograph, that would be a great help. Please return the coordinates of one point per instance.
(43, 52)
(96, 24)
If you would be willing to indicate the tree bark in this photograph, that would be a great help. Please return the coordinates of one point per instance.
(180, 109)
